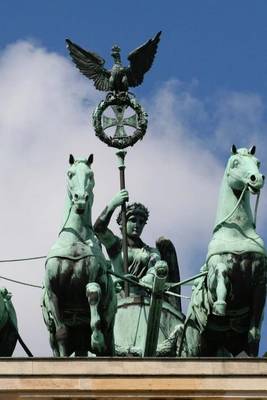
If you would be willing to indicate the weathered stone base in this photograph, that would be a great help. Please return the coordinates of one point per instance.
(116, 379)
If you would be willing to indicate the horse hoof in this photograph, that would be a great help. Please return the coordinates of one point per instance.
(93, 292)
(98, 343)
(219, 308)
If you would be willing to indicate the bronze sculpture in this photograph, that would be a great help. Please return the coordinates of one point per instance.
(225, 313)
(119, 78)
(8, 324)
(117, 82)
(142, 258)
(79, 302)
(145, 264)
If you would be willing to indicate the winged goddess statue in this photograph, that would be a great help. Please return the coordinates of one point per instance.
(119, 78)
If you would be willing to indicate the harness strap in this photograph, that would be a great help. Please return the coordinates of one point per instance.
(256, 209)
(234, 209)
(23, 345)
(61, 230)
(21, 342)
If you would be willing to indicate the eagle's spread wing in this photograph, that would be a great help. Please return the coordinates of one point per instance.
(141, 60)
(90, 64)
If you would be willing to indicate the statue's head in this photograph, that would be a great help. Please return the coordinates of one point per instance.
(136, 215)
(80, 183)
(115, 53)
(243, 170)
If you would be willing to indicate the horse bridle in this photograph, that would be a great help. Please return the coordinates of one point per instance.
(238, 203)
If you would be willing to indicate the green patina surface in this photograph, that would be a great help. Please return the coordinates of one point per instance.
(79, 303)
(135, 321)
(226, 308)
(8, 324)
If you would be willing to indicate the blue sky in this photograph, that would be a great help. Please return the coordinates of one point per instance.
(206, 90)
(219, 43)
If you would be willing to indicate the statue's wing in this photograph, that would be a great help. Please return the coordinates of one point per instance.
(168, 254)
(141, 60)
(90, 64)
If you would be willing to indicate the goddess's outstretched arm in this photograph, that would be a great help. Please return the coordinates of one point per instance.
(105, 235)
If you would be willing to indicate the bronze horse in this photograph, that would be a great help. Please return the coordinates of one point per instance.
(225, 313)
(79, 302)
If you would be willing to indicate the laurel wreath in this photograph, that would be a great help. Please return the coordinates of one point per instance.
(122, 99)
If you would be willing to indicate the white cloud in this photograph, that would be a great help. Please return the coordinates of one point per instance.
(240, 117)
(45, 114)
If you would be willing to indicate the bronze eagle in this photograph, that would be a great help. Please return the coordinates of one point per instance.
(119, 78)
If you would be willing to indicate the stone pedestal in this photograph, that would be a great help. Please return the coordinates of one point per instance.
(75, 379)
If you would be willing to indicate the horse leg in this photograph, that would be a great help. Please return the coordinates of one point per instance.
(60, 336)
(52, 305)
(109, 312)
(93, 293)
(219, 306)
(109, 341)
(58, 332)
(52, 336)
(190, 345)
(258, 301)
(50, 324)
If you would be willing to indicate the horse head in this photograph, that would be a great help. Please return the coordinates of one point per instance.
(80, 183)
(243, 170)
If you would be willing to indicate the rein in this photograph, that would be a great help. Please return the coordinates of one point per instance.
(237, 205)
(234, 209)
(65, 223)
(256, 209)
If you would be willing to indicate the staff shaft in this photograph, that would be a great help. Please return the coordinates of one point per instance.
(121, 156)
(154, 315)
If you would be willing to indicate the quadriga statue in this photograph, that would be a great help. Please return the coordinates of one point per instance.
(79, 302)
(226, 307)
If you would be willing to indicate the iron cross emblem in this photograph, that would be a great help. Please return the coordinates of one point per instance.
(119, 122)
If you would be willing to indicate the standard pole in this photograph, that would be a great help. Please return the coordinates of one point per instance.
(154, 315)
(121, 156)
